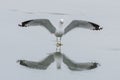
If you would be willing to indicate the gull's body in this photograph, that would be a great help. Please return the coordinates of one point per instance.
(60, 30)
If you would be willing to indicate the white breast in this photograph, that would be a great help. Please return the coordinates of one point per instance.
(59, 32)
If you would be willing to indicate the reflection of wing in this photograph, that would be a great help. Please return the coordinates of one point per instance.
(38, 65)
(78, 66)
(82, 24)
(39, 22)
(58, 59)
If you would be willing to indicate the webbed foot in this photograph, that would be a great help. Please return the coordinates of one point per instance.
(59, 44)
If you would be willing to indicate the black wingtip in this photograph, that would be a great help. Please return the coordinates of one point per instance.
(23, 24)
(21, 62)
(95, 65)
(100, 28)
(20, 25)
(96, 26)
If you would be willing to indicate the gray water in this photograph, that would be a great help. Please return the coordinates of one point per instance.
(80, 45)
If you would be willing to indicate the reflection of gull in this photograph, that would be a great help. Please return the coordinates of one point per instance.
(58, 57)
(60, 30)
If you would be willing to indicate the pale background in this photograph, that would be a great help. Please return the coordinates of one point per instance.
(80, 45)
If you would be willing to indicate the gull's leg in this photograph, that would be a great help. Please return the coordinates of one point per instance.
(57, 42)
(58, 49)
(56, 39)
(60, 40)
(60, 45)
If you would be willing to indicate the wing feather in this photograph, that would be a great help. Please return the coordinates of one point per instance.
(82, 24)
(39, 22)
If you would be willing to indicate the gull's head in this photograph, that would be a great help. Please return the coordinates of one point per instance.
(61, 21)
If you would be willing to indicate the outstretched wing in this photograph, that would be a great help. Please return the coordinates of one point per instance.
(39, 22)
(38, 65)
(79, 66)
(82, 24)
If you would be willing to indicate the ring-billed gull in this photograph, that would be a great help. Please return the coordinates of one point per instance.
(60, 31)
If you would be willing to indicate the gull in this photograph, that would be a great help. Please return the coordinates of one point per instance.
(60, 30)
(58, 57)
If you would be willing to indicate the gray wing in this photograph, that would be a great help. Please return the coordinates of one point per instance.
(82, 24)
(79, 66)
(38, 65)
(39, 22)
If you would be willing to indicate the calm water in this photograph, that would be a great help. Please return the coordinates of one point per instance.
(80, 45)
